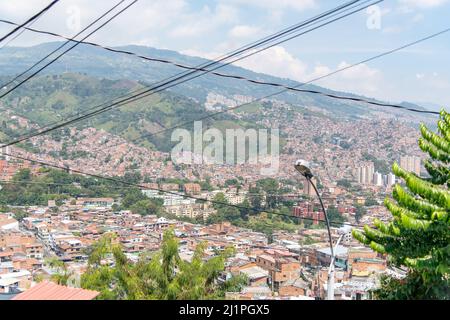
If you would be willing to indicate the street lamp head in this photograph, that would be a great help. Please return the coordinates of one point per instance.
(302, 166)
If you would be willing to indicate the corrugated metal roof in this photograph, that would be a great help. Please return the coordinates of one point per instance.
(339, 250)
(51, 291)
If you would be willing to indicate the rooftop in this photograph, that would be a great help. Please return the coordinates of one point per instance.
(51, 291)
(255, 272)
(339, 250)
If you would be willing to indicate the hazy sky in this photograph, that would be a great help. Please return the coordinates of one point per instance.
(210, 28)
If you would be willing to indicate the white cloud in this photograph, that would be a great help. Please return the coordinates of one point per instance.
(201, 54)
(150, 22)
(244, 31)
(433, 80)
(205, 20)
(23, 8)
(418, 17)
(423, 3)
(298, 5)
(276, 61)
(360, 79)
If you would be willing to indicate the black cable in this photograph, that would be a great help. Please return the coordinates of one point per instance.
(166, 192)
(170, 85)
(69, 49)
(267, 39)
(19, 182)
(159, 88)
(25, 28)
(60, 47)
(295, 88)
(130, 53)
(37, 15)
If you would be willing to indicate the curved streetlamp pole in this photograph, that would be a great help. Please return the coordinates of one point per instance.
(303, 168)
(324, 213)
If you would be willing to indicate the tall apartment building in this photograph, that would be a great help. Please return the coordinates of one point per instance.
(390, 179)
(411, 164)
(378, 179)
(364, 174)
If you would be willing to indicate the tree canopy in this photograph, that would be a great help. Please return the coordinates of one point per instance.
(418, 237)
(163, 276)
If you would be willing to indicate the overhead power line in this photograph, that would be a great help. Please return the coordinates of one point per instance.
(74, 184)
(267, 40)
(131, 53)
(37, 15)
(296, 89)
(160, 87)
(69, 49)
(240, 207)
(60, 47)
(223, 60)
(25, 182)
(258, 82)
(20, 33)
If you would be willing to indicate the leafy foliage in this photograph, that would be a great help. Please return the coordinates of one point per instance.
(360, 212)
(335, 216)
(419, 235)
(50, 184)
(46, 98)
(62, 275)
(163, 276)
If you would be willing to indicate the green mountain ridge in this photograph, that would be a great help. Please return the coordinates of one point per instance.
(49, 98)
(100, 63)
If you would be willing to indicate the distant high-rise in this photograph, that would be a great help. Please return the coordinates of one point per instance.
(361, 175)
(411, 164)
(364, 174)
(377, 179)
(370, 170)
(390, 179)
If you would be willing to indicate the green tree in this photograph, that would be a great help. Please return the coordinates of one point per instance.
(359, 212)
(146, 207)
(132, 177)
(206, 184)
(255, 198)
(370, 202)
(132, 196)
(271, 187)
(220, 201)
(234, 284)
(163, 276)
(62, 274)
(344, 183)
(334, 216)
(245, 211)
(22, 175)
(231, 182)
(418, 237)
(19, 214)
